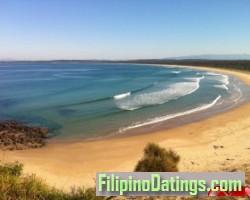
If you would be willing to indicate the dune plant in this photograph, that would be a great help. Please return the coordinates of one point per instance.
(15, 185)
(158, 159)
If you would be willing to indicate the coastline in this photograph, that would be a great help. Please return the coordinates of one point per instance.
(68, 164)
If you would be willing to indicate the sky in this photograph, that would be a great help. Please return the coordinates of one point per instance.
(122, 29)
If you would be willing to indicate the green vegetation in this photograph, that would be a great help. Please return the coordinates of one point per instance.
(157, 159)
(15, 185)
(11, 169)
(226, 64)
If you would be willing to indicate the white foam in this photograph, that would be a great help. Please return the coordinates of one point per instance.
(173, 91)
(223, 79)
(176, 72)
(240, 93)
(213, 74)
(195, 79)
(158, 97)
(171, 116)
(224, 86)
(121, 96)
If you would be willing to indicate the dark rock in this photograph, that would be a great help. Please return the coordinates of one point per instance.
(15, 136)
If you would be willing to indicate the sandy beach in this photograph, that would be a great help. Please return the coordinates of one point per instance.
(219, 143)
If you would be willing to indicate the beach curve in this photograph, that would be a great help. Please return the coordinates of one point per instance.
(67, 164)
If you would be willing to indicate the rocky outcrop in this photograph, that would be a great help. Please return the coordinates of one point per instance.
(15, 136)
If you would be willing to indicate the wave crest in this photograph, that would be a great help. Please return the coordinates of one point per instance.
(222, 78)
(174, 91)
(121, 96)
(224, 86)
(171, 116)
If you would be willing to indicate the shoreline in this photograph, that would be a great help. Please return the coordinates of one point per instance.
(66, 164)
(172, 122)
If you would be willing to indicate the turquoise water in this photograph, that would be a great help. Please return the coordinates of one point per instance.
(91, 100)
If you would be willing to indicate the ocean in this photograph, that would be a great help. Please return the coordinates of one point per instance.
(86, 101)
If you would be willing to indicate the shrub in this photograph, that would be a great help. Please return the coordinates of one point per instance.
(11, 168)
(158, 159)
(15, 185)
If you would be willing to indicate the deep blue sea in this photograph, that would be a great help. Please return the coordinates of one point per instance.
(93, 100)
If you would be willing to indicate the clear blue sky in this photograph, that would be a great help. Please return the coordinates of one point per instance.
(122, 29)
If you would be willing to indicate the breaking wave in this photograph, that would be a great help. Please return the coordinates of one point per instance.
(223, 79)
(171, 116)
(173, 91)
(222, 87)
(121, 96)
